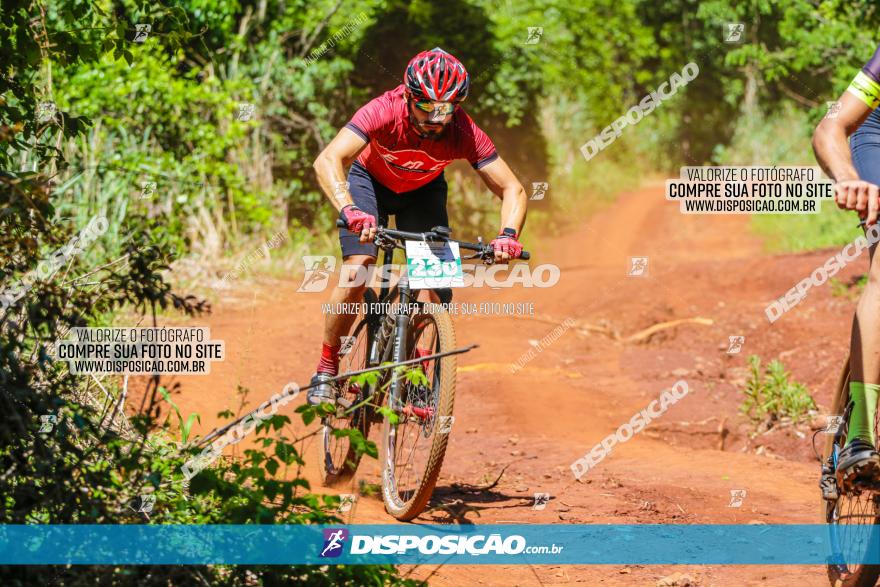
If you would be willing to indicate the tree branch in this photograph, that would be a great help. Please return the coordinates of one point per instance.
(308, 43)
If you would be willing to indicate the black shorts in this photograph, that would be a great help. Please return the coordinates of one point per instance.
(865, 147)
(416, 211)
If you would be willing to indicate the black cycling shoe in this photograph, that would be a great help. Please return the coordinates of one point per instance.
(859, 461)
(323, 392)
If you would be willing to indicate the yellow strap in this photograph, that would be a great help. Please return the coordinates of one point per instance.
(866, 89)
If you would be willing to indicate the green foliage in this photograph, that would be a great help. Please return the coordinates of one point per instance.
(165, 110)
(87, 471)
(100, 460)
(413, 374)
(185, 426)
(770, 396)
(64, 33)
(851, 290)
(786, 233)
(311, 413)
(783, 139)
(369, 489)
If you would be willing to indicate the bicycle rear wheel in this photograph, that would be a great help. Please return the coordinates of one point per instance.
(338, 457)
(853, 513)
(414, 447)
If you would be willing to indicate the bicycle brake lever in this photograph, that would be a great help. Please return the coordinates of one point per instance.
(481, 255)
(383, 242)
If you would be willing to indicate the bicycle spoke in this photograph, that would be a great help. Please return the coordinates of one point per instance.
(409, 458)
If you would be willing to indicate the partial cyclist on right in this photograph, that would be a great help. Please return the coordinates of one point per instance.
(847, 146)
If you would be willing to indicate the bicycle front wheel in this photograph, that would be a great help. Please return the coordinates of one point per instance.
(855, 514)
(415, 445)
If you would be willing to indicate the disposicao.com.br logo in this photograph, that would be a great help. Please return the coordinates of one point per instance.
(334, 539)
(464, 544)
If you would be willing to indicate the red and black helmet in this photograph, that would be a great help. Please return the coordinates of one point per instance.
(437, 75)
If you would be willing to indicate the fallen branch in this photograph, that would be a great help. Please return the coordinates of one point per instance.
(578, 325)
(673, 428)
(647, 332)
(477, 489)
(457, 510)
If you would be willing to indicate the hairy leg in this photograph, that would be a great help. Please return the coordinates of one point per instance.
(353, 270)
(865, 356)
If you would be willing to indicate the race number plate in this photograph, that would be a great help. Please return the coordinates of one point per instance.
(433, 265)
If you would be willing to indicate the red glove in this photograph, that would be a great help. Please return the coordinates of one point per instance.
(356, 219)
(507, 243)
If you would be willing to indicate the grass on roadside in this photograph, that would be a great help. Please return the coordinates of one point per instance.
(771, 397)
(803, 232)
(851, 289)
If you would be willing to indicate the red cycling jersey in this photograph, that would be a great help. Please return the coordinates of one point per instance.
(403, 161)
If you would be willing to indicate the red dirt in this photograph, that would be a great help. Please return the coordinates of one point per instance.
(584, 385)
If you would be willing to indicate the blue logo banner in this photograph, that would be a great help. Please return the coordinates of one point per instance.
(644, 544)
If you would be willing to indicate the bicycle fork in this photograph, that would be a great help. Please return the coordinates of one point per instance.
(398, 354)
(828, 482)
(401, 326)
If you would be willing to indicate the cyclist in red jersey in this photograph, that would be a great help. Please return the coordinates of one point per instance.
(847, 146)
(398, 145)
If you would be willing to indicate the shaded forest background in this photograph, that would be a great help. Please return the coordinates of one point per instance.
(166, 110)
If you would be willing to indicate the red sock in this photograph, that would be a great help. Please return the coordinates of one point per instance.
(329, 362)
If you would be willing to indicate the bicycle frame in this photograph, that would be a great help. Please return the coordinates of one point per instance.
(401, 321)
(380, 325)
(380, 329)
(378, 350)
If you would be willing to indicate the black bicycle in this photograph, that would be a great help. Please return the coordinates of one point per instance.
(852, 510)
(414, 441)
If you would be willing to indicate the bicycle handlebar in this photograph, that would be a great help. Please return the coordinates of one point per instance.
(432, 236)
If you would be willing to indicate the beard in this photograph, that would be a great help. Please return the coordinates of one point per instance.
(432, 133)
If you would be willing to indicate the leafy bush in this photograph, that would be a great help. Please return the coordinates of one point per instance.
(770, 396)
(851, 289)
(98, 458)
(91, 469)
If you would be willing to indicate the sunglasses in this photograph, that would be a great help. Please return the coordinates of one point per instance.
(441, 108)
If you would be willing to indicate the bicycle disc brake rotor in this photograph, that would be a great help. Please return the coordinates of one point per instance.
(419, 407)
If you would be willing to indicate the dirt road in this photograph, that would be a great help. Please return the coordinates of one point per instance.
(580, 388)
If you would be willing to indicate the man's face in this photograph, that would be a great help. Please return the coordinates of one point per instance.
(429, 124)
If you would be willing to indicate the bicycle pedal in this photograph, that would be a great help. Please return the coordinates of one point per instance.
(342, 406)
(860, 477)
(828, 487)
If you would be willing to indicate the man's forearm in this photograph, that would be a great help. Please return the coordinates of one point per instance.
(832, 151)
(513, 208)
(331, 178)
